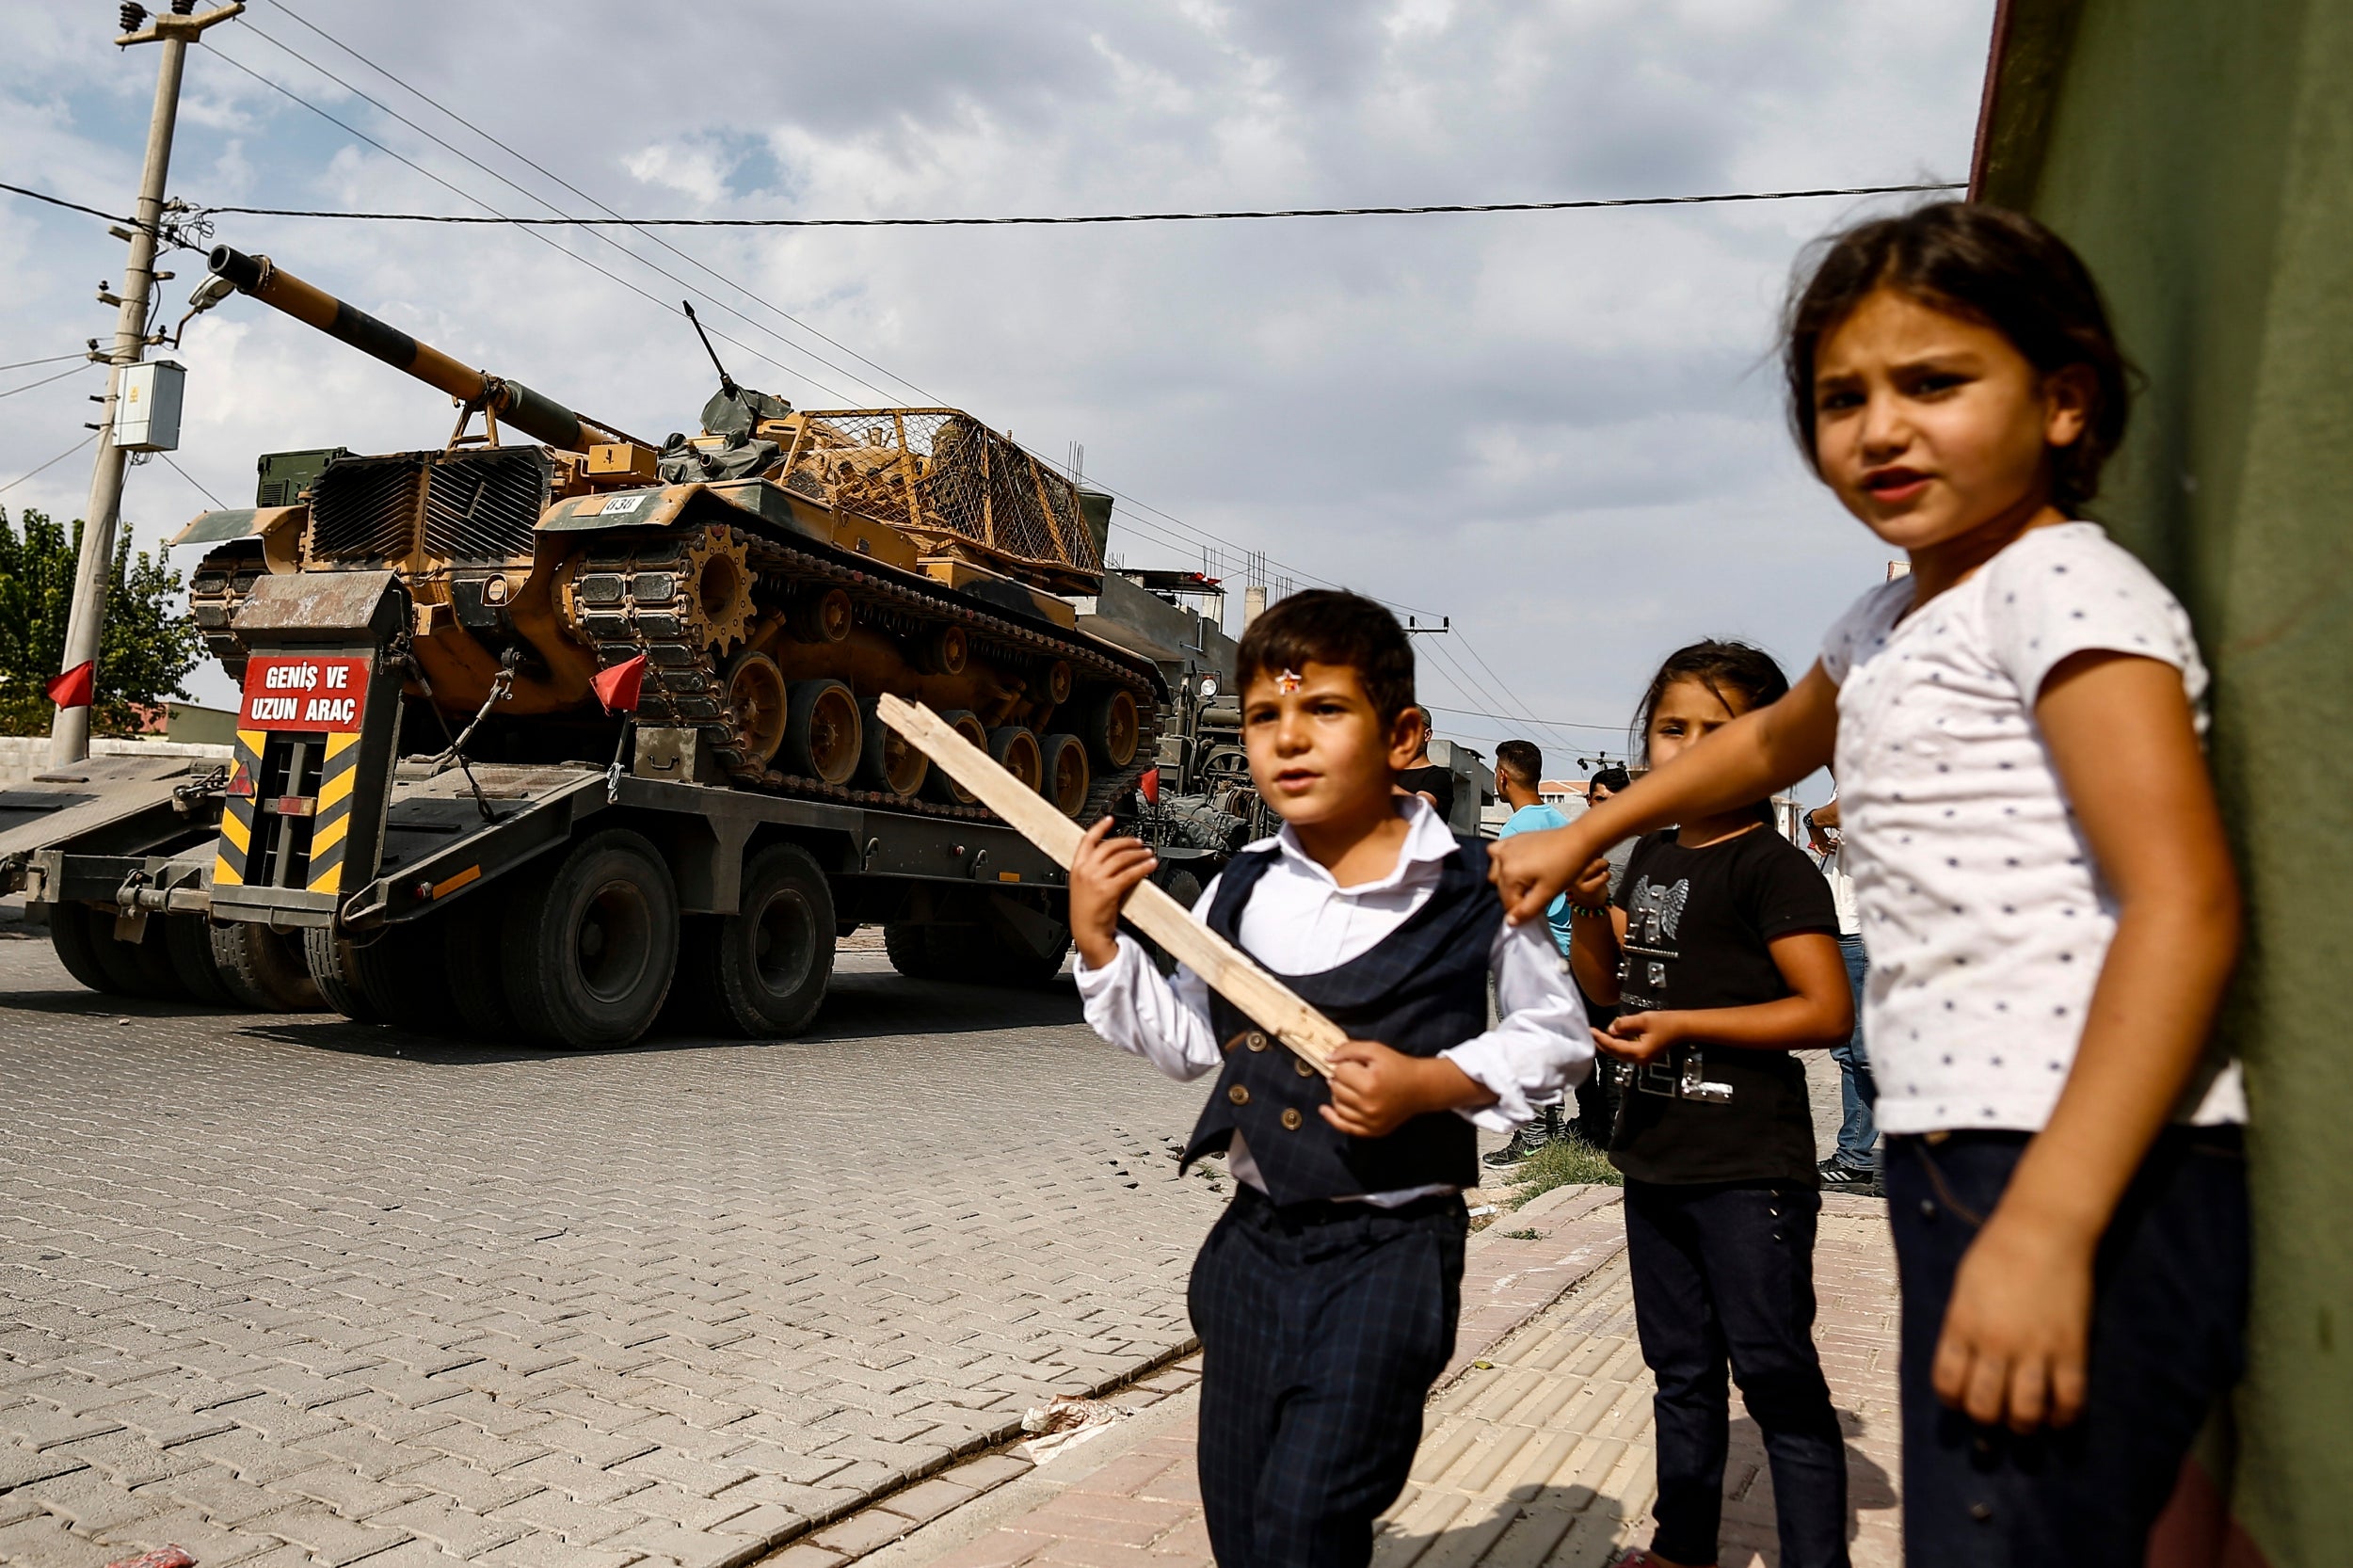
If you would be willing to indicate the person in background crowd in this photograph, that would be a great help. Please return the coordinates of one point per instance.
(1519, 769)
(1609, 781)
(1597, 1096)
(1853, 1166)
(1423, 777)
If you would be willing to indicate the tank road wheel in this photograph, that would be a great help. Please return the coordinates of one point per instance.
(1016, 751)
(1063, 773)
(1058, 680)
(887, 761)
(766, 968)
(938, 786)
(189, 941)
(73, 933)
(945, 651)
(822, 731)
(264, 969)
(592, 942)
(1113, 730)
(823, 616)
(716, 579)
(757, 705)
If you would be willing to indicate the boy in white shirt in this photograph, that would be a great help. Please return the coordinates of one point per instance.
(1326, 1296)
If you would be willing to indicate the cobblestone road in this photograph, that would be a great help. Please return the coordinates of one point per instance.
(289, 1290)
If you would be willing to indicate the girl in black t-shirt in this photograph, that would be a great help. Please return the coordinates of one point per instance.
(1721, 955)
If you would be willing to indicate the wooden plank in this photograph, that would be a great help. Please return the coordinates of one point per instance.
(1228, 972)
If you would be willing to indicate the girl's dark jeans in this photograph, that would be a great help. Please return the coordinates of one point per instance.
(2166, 1324)
(1725, 1275)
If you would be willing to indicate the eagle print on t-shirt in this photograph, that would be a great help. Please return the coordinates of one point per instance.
(1652, 916)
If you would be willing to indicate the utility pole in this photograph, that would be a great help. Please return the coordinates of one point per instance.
(69, 735)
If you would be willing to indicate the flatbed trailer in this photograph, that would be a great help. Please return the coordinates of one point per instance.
(575, 902)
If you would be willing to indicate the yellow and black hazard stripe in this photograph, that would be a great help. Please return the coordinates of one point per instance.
(331, 827)
(244, 803)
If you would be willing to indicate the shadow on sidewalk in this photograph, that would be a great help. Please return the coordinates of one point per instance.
(1562, 1527)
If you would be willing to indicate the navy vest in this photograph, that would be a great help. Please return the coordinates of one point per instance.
(1421, 989)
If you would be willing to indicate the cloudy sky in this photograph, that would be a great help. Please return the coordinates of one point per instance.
(1560, 429)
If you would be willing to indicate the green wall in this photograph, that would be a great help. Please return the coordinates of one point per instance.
(2200, 156)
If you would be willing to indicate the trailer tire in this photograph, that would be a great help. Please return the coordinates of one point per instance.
(335, 969)
(766, 968)
(72, 935)
(592, 943)
(190, 944)
(470, 956)
(140, 969)
(264, 969)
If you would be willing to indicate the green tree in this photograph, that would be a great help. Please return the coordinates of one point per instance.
(150, 645)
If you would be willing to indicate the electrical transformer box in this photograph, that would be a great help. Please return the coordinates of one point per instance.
(149, 417)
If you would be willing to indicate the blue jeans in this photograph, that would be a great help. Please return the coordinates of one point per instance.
(1725, 1275)
(2166, 1315)
(1858, 1090)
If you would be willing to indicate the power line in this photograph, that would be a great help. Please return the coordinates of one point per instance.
(1429, 210)
(523, 191)
(193, 480)
(52, 463)
(54, 359)
(656, 299)
(530, 163)
(1506, 719)
(47, 379)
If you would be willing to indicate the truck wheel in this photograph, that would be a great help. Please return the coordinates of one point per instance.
(140, 969)
(72, 935)
(1185, 888)
(335, 969)
(1063, 773)
(592, 943)
(189, 941)
(264, 969)
(767, 966)
(956, 953)
(470, 954)
(394, 977)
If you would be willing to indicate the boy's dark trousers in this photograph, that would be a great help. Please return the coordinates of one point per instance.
(1322, 1326)
(2166, 1344)
(1726, 1273)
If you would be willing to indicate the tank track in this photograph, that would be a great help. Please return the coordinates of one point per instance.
(632, 602)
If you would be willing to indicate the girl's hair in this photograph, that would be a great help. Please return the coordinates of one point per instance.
(1723, 668)
(1987, 265)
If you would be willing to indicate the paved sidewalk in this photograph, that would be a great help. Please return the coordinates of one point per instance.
(1539, 1449)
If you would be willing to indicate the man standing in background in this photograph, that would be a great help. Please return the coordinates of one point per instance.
(1519, 766)
(1853, 1166)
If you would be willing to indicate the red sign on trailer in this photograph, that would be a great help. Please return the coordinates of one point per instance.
(303, 691)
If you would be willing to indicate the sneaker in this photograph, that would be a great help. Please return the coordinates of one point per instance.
(1525, 1142)
(1838, 1177)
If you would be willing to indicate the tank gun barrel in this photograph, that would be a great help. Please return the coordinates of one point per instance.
(533, 413)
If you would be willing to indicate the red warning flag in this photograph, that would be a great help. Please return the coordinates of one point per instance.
(617, 687)
(1150, 784)
(74, 687)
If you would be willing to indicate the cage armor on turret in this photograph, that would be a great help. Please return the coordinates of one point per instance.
(777, 571)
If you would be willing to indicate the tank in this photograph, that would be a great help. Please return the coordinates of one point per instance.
(777, 571)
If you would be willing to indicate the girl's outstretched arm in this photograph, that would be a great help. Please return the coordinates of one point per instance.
(2120, 737)
(1744, 762)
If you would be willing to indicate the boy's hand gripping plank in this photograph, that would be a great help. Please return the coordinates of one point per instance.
(1225, 968)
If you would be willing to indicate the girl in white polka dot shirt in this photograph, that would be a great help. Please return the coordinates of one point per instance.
(2047, 899)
